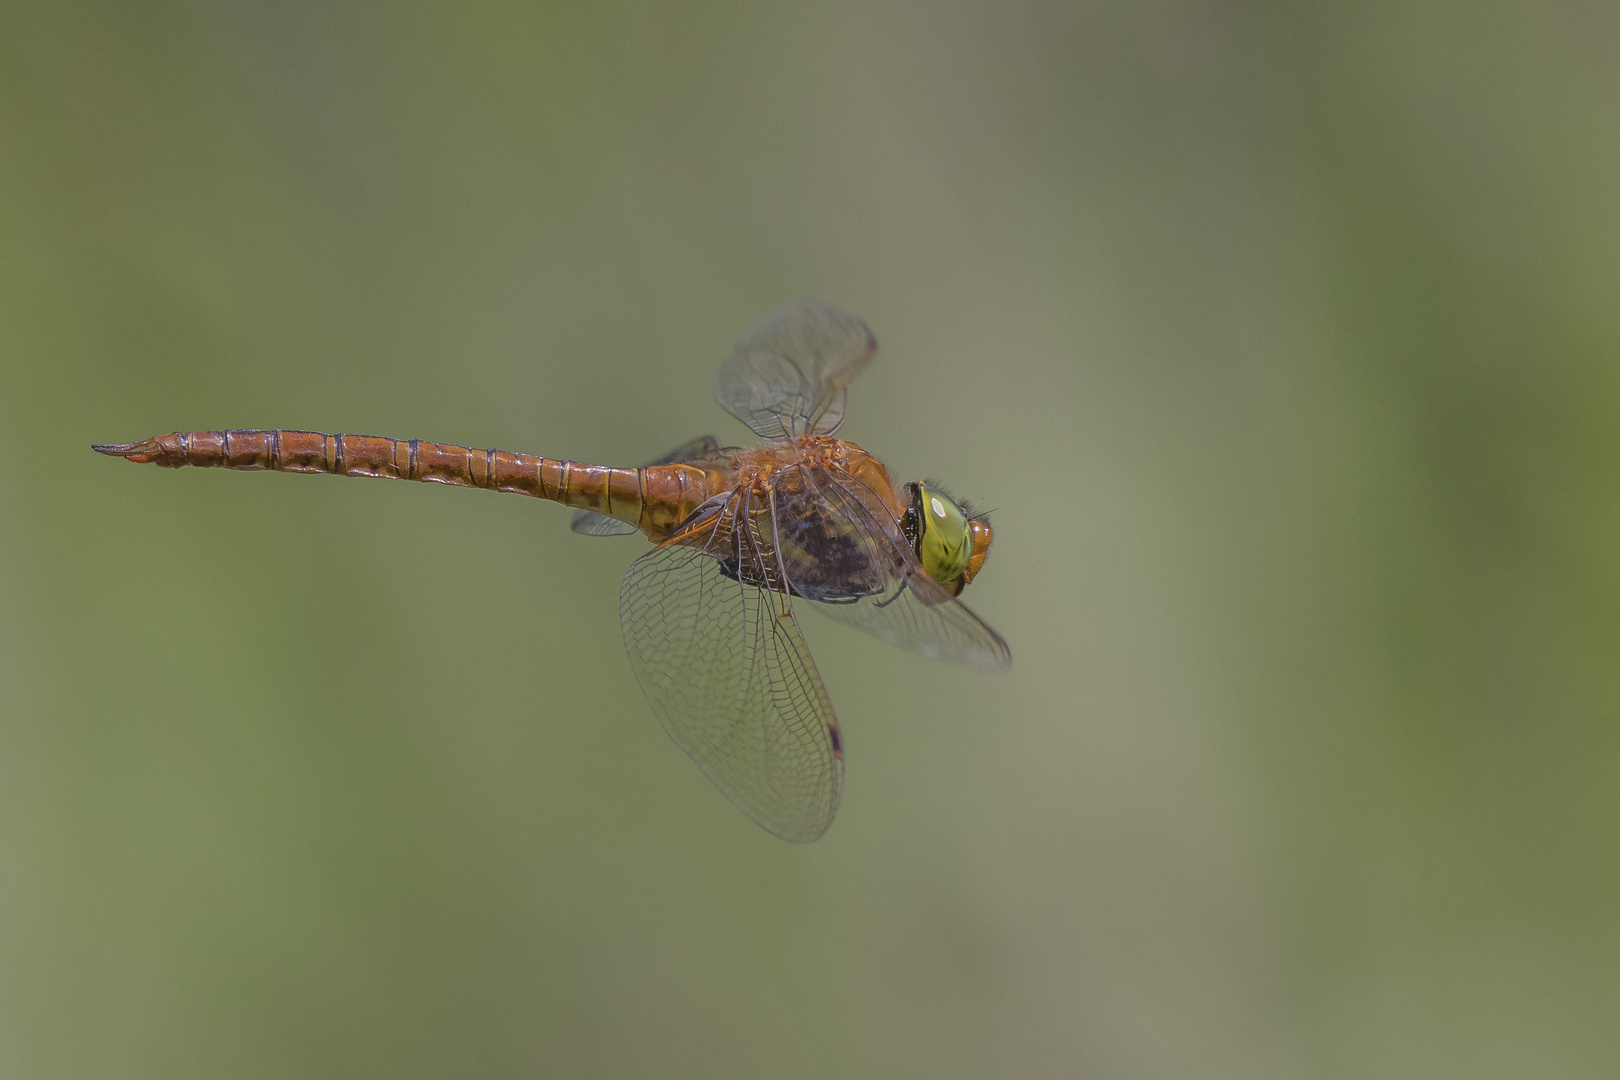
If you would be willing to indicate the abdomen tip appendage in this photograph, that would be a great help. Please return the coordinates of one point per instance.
(142, 451)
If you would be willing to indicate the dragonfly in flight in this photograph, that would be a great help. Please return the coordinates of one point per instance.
(740, 535)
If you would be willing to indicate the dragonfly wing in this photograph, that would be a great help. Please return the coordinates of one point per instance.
(728, 674)
(790, 372)
(916, 614)
(590, 523)
(873, 581)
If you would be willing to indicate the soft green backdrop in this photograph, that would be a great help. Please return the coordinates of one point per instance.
(1284, 339)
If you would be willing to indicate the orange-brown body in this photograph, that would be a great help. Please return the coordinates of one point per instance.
(654, 498)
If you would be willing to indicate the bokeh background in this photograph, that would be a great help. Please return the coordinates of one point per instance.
(1283, 339)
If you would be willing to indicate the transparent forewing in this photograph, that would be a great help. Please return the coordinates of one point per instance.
(789, 374)
(590, 523)
(728, 674)
(890, 596)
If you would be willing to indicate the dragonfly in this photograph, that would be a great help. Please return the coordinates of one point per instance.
(744, 538)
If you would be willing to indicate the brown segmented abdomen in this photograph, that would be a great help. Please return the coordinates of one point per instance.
(654, 499)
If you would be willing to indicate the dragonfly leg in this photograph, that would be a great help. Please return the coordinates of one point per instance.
(898, 593)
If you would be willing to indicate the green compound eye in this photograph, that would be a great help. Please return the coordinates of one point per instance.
(944, 542)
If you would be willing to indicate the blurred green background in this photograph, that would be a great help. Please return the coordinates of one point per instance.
(1284, 340)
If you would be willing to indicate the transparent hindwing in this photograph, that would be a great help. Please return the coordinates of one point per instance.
(727, 672)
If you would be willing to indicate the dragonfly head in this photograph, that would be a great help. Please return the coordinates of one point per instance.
(950, 545)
